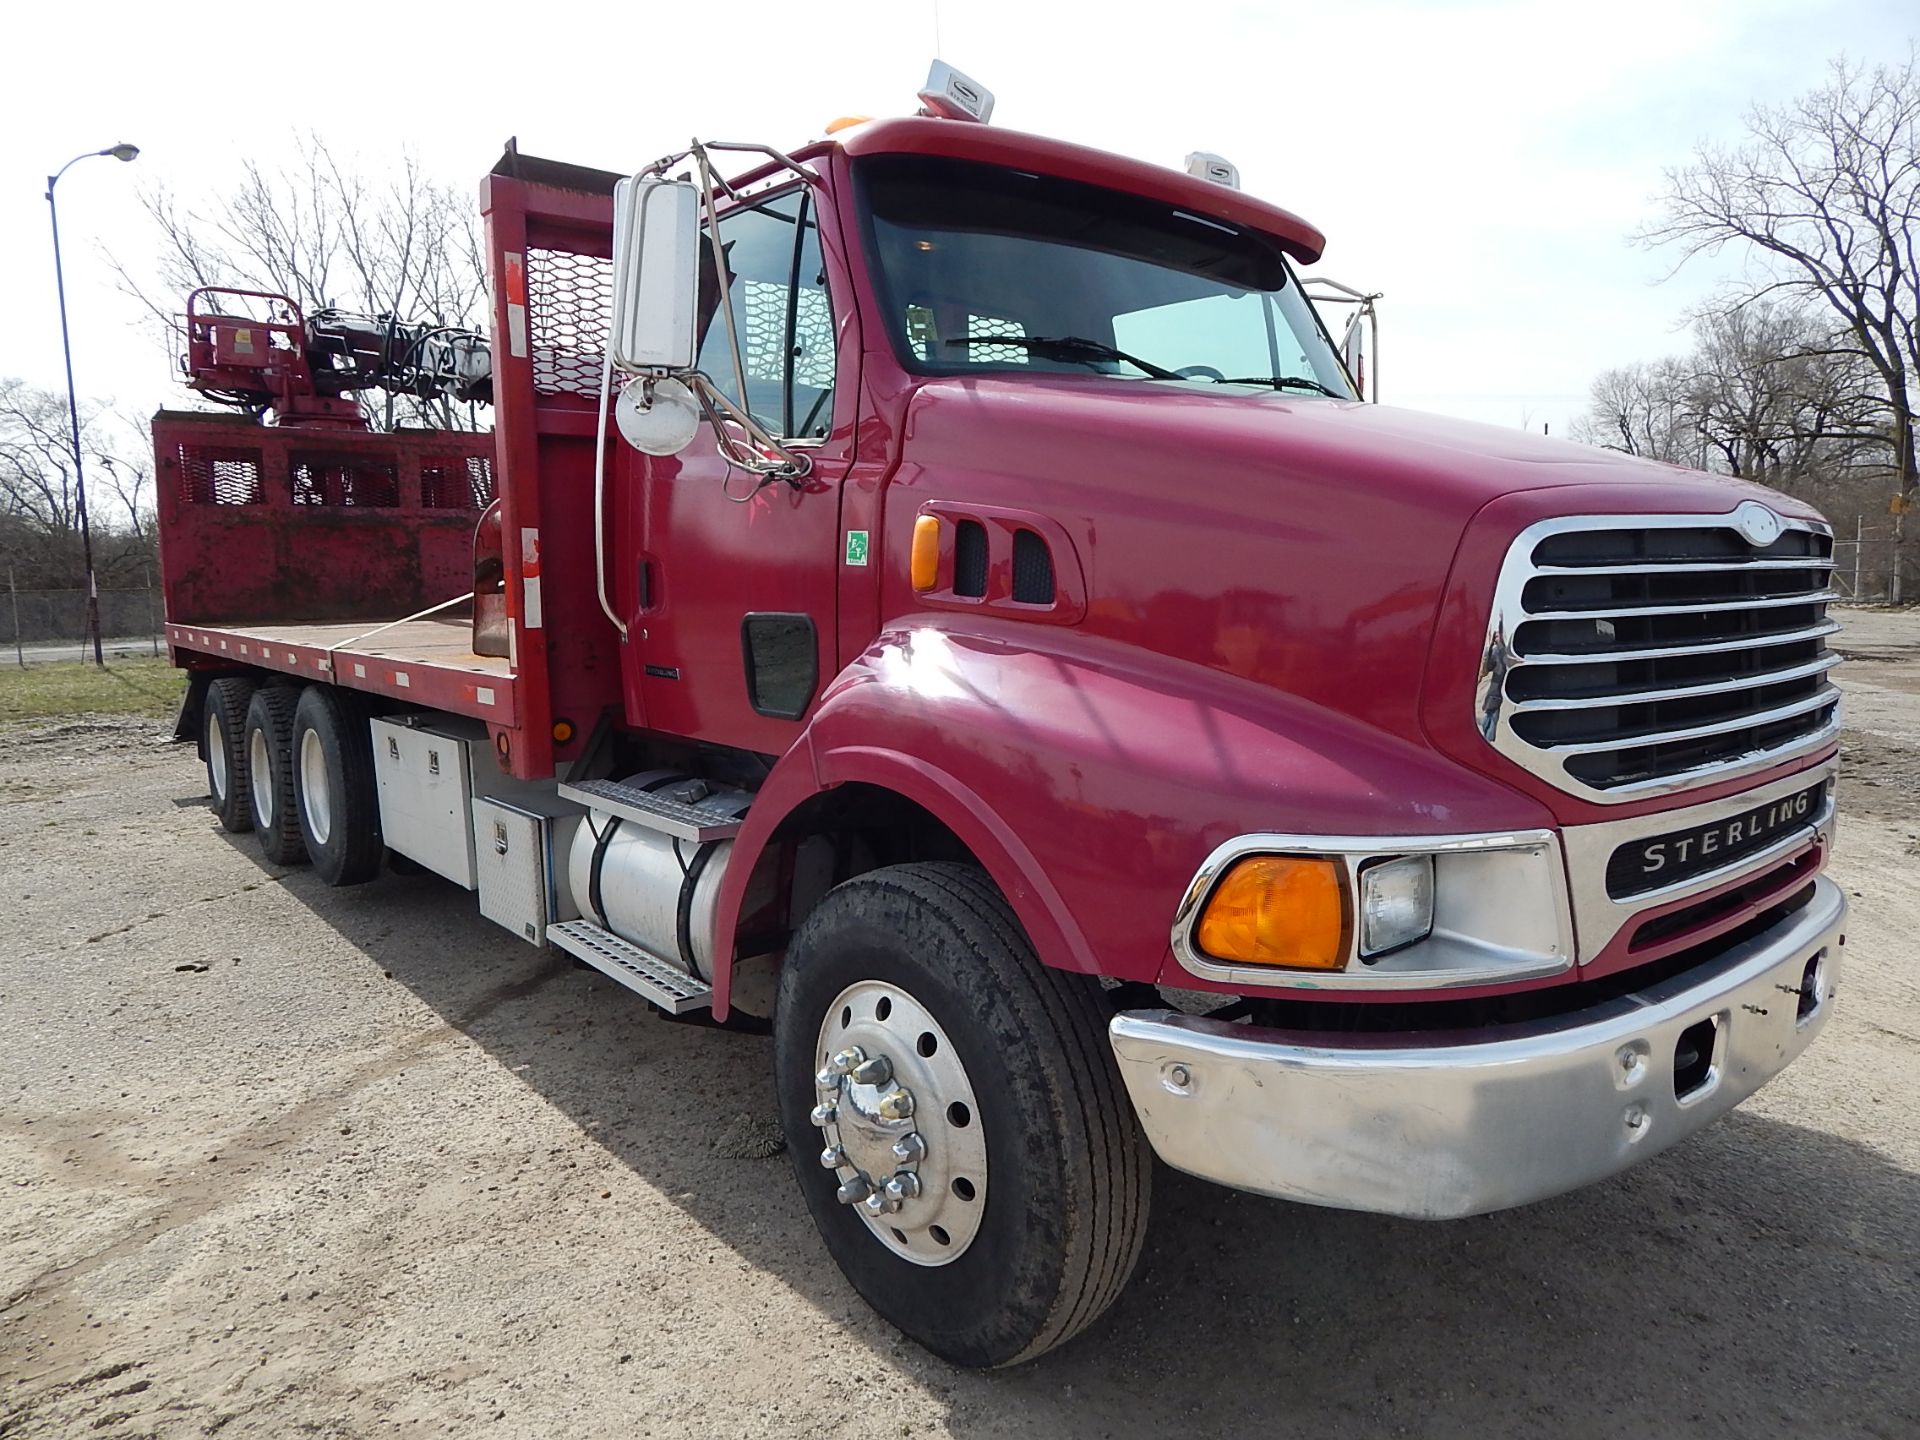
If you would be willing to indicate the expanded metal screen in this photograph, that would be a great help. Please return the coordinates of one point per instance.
(219, 475)
(569, 297)
(357, 480)
(987, 327)
(456, 482)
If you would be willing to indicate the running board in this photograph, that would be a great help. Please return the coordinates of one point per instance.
(673, 990)
(651, 810)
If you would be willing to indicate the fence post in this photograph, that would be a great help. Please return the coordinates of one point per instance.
(1858, 522)
(14, 590)
(153, 616)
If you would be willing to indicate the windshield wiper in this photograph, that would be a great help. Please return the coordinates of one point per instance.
(1284, 382)
(1070, 348)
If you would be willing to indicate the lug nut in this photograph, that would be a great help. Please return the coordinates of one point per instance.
(826, 1080)
(903, 1187)
(878, 1203)
(825, 1114)
(877, 1071)
(833, 1157)
(848, 1058)
(853, 1190)
(910, 1148)
(896, 1105)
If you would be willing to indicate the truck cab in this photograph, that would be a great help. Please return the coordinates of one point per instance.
(957, 608)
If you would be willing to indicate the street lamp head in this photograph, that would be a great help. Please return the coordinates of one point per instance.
(122, 151)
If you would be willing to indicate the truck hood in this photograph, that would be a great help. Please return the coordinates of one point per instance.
(1299, 542)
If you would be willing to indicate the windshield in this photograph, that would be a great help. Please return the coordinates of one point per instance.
(984, 268)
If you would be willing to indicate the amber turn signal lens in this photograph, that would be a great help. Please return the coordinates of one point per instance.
(925, 566)
(562, 731)
(1278, 910)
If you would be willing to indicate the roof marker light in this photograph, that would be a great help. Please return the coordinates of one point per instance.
(952, 96)
(1207, 166)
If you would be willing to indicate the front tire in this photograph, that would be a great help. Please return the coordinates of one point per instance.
(333, 783)
(1036, 1173)
(225, 716)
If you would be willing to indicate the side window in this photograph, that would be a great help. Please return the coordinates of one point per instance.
(777, 289)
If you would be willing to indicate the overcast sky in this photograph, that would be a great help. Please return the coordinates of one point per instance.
(1481, 163)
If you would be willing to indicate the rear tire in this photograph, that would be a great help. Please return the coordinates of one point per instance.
(276, 809)
(1065, 1210)
(225, 717)
(337, 798)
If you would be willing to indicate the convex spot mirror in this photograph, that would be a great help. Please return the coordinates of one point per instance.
(657, 416)
(656, 274)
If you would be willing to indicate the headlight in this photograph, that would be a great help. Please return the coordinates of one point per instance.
(1355, 912)
(1396, 903)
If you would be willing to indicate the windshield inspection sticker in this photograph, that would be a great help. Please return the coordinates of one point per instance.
(856, 547)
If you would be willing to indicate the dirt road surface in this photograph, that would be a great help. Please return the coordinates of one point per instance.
(277, 1160)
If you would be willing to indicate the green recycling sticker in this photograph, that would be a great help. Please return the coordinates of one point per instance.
(856, 547)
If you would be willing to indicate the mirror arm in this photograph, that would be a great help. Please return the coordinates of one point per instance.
(792, 467)
(600, 500)
(721, 287)
(779, 158)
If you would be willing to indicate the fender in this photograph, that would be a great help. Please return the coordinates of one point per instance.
(1091, 778)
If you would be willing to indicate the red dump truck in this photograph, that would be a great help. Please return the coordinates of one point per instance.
(938, 592)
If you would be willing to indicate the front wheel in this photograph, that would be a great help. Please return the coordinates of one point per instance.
(955, 1118)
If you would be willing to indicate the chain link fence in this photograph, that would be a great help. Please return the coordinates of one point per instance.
(46, 624)
(1863, 556)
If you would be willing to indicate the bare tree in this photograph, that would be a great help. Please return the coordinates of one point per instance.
(39, 503)
(323, 234)
(1642, 410)
(1824, 194)
(1781, 399)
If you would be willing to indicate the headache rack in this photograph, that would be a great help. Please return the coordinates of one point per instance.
(1635, 655)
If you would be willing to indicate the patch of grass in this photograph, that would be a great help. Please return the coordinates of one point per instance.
(71, 687)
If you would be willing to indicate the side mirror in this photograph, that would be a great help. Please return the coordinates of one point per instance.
(656, 274)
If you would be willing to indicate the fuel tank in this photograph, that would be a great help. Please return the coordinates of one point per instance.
(651, 888)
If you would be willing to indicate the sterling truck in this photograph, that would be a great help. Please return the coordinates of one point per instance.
(937, 592)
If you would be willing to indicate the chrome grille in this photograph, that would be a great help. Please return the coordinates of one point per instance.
(1633, 655)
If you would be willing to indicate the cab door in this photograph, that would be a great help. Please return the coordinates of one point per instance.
(733, 627)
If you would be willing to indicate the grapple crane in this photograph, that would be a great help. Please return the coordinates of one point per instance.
(306, 370)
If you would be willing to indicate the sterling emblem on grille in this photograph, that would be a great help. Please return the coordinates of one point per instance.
(1757, 525)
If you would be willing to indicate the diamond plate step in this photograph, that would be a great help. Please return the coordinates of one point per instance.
(656, 812)
(643, 973)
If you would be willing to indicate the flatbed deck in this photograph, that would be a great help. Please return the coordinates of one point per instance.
(430, 663)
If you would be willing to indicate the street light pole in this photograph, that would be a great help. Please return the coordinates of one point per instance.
(119, 152)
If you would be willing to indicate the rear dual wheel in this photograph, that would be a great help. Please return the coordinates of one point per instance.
(224, 714)
(955, 1118)
(334, 790)
(276, 810)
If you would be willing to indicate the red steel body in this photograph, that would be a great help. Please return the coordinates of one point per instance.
(1270, 615)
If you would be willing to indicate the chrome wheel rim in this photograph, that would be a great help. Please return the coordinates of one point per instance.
(260, 764)
(216, 756)
(900, 1123)
(316, 792)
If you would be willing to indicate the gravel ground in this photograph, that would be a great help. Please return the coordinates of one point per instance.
(277, 1160)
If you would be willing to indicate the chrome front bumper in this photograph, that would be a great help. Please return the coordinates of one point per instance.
(1439, 1126)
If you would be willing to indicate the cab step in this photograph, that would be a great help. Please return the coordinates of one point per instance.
(652, 810)
(642, 972)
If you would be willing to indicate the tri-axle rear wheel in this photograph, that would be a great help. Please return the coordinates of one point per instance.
(276, 809)
(954, 1116)
(224, 713)
(334, 787)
